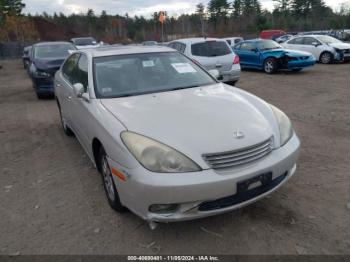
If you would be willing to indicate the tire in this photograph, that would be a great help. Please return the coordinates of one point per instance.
(65, 128)
(270, 65)
(108, 182)
(326, 58)
(231, 83)
(41, 95)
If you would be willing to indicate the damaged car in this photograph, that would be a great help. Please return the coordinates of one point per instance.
(269, 56)
(170, 141)
(45, 59)
(325, 48)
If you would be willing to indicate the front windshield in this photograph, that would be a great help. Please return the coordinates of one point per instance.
(268, 45)
(328, 39)
(136, 74)
(53, 51)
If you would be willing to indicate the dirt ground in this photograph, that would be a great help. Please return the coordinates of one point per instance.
(52, 200)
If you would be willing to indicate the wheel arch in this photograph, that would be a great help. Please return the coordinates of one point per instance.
(96, 145)
(325, 51)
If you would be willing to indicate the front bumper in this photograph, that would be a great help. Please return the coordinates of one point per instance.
(43, 85)
(192, 190)
(295, 64)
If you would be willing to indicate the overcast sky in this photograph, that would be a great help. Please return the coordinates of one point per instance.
(132, 7)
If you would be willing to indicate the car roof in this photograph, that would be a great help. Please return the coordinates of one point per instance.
(125, 50)
(197, 40)
(51, 43)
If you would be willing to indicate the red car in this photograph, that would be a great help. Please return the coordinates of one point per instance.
(270, 34)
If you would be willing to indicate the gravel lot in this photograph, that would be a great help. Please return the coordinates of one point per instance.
(52, 199)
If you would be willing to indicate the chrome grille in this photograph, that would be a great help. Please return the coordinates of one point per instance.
(239, 157)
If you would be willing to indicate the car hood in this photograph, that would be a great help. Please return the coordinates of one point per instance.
(47, 64)
(197, 121)
(340, 46)
(289, 52)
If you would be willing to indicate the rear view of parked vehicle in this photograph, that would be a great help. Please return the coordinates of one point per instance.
(271, 34)
(325, 48)
(211, 53)
(171, 142)
(270, 56)
(45, 59)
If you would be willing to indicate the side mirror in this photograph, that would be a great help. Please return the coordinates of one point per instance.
(214, 73)
(315, 44)
(78, 89)
(255, 50)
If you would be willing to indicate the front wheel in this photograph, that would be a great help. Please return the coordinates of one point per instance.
(270, 66)
(108, 182)
(326, 58)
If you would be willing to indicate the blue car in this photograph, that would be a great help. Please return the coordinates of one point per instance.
(269, 56)
(45, 59)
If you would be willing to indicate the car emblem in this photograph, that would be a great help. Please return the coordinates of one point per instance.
(238, 134)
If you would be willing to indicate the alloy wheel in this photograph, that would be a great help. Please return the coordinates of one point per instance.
(107, 179)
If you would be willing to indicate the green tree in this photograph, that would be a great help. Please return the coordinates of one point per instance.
(11, 7)
(237, 8)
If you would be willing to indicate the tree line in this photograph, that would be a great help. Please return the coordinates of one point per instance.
(217, 18)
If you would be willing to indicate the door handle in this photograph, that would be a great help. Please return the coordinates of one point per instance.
(69, 98)
(58, 85)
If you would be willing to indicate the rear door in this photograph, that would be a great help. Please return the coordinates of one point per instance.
(213, 54)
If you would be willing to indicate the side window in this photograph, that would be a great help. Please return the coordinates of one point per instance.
(228, 41)
(237, 47)
(296, 41)
(310, 41)
(81, 72)
(182, 47)
(247, 46)
(69, 66)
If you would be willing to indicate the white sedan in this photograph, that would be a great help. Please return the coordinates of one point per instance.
(170, 141)
(325, 48)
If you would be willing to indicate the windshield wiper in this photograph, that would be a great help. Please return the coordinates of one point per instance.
(180, 88)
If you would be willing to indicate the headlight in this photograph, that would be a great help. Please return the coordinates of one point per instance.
(285, 126)
(39, 73)
(156, 156)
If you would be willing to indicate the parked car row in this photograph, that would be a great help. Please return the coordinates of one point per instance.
(170, 139)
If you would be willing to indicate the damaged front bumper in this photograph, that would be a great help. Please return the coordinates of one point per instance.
(300, 62)
(204, 193)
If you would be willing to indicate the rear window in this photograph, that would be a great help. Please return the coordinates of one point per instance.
(210, 49)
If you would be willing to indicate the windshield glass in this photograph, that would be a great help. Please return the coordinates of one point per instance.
(53, 51)
(328, 39)
(268, 45)
(210, 48)
(136, 74)
(84, 41)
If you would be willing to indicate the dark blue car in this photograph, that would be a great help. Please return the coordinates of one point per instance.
(269, 56)
(45, 59)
